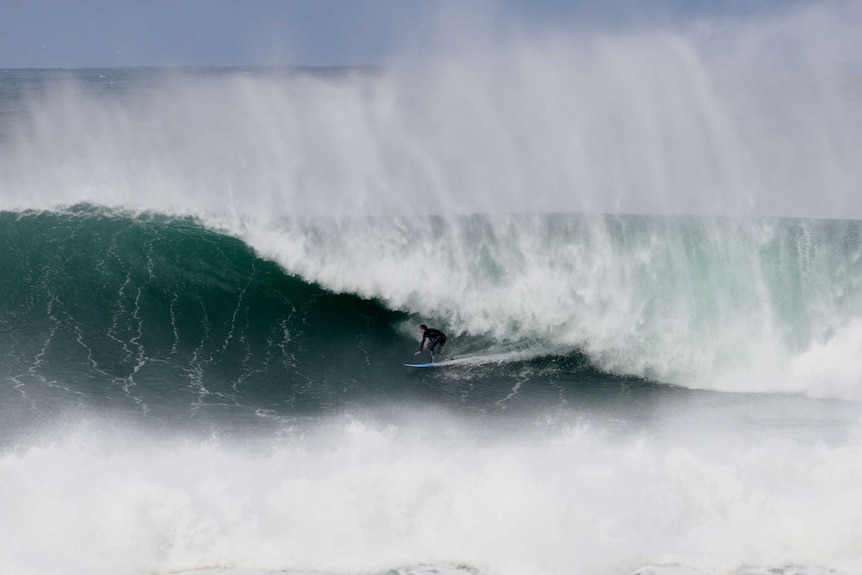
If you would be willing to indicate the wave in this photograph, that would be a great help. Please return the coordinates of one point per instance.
(718, 303)
(154, 314)
(112, 308)
(141, 308)
(555, 201)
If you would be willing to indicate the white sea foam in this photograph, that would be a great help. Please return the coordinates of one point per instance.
(354, 496)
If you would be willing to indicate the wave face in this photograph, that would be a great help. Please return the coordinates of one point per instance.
(134, 305)
(725, 304)
(145, 312)
(648, 255)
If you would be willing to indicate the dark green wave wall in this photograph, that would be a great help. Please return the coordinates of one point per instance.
(144, 312)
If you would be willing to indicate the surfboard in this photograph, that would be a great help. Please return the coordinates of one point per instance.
(474, 360)
(434, 364)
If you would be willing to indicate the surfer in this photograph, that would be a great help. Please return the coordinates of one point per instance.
(436, 341)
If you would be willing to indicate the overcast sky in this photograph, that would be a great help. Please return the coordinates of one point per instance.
(91, 33)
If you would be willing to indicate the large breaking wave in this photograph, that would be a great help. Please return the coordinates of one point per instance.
(594, 214)
(716, 303)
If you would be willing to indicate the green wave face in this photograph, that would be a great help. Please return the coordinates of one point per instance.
(150, 312)
(165, 317)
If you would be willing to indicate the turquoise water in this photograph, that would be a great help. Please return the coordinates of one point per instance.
(159, 316)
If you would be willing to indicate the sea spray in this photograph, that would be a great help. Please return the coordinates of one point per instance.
(642, 123)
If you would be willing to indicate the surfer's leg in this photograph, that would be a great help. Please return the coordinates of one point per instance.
(432, 346)
(442, 342)
(440, 349)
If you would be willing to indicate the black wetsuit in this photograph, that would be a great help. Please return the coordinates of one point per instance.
(436, 338)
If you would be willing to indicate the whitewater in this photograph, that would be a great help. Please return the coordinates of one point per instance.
(647, 256)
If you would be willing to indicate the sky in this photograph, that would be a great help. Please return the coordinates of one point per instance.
(105, 33)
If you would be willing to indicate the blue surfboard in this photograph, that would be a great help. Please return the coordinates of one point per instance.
(420, 365)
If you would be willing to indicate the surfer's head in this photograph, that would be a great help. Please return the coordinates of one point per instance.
(423, 327)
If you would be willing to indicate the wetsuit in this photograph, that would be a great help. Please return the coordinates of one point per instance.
(436, 338)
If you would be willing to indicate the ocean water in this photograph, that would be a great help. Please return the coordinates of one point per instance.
(649, 263)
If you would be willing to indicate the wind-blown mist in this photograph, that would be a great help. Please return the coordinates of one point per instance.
(623, 124)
